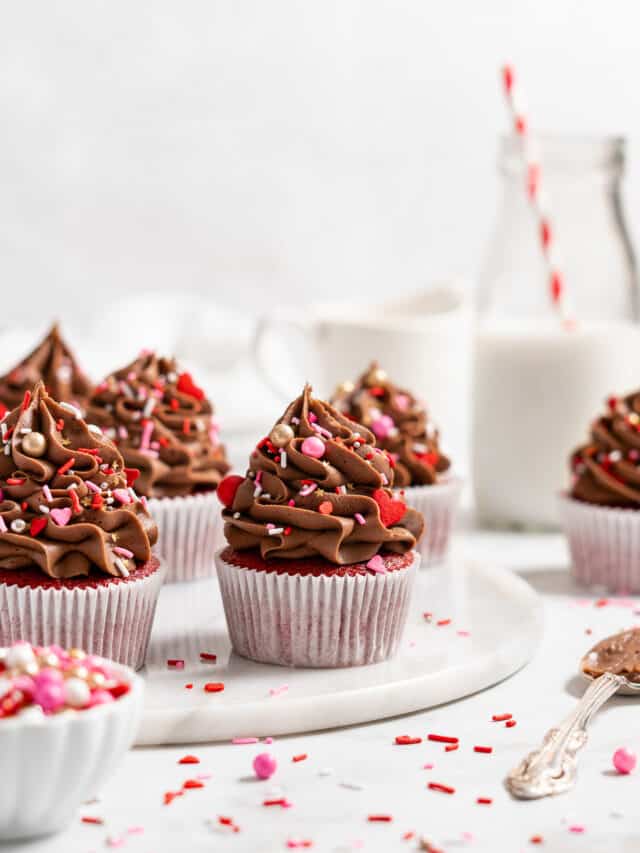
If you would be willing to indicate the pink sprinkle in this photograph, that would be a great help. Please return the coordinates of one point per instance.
(123, 552)
(122, 495)
(312, 417)
(578, 828)
(322, 431)
(624, 760)
(463, 633)
(114, 842)
(204, 776)
(291, 502)
(268, 740)
(376, 564)
(307, 489)
(276, 691)
(46, 491)
(258, 476)
(91, 486)
(3, 526)
(123, 432)
(147, 432)
(240, 741)
(175, 663)
(359, 517)
(428, 767)
(313, 447)
(135, 830)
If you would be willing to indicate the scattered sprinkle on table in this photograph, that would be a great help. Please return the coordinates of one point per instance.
(500, 718)
(97, 821)
(191, 784)
(451, 747)
(510, 724)
(189, 759)
(379, 818)
(443, 738)
(442, 622)
(302, 757)
(536, 839)
(208, 657)
(175, 663)
(406, 740)
(484, 801)
(241, 741)
(214, 687)
(484, 749)
(444, 789)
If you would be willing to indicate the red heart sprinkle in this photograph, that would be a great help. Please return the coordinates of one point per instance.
(326, 508)
(391, 511)
(188, 386)
(37, 526)
(132, 475)
(227, 489)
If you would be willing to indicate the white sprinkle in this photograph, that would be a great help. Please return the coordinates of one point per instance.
(25, 430)
(18, 525)
(104, 485)
(132, 493)
(3, 429)
(307, 489)
(257, 491)
(44, 509)
(149, 406)
(283, 458)
(356, 444)
(236, 515)
(72, 486)
(94, 428)
(385, 479)
(326, 771)
(199, 425)
(109, 501)
(295, 421)
(615, 456)
(3, 526)
(7, 449)
(353, 786)
(75, 411)
(276, 531)
(120, 566)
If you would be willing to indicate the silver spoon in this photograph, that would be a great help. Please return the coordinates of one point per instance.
(552, 769)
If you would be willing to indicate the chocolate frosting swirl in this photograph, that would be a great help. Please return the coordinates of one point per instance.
(65, 504)
(606, 470)
(400, 424)
(163, 425)
(51, 362)
(292, 504)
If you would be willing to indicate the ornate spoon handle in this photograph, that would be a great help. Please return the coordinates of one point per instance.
(552, 768)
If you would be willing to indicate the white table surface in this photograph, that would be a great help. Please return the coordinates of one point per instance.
(391, 779)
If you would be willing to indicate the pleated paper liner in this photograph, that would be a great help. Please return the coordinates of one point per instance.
(438, 504)
(312, 620)
(110, 617)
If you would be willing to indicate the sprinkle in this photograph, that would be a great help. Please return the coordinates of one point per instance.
(483, 749)
(122, 495)
(443, 739)
(188, 686)
(147, 432)
(186, 426)
(15, 481)
(192, 784)
(578, 829)
(405, 740)
(359, 518)
(379, 818)
(123, 552)
(510, 724)
(275, 531)
(326, 508)
(307, 489)
(18, 525)
(3, 526)
(442, 622)
(500, 718)
(279, 801)
(214, 687)
(72, 409)
(26, 400)
(92, 487)
(278, 691)
(352, 786)
(75, 501)
(451, 747)
(120, 566)
(170, 796)
(189, 759)
(208, 656)
(98, 821)
(302, 757)
(243, 741)
(536, 839)
(283, 458)
(484, 801)
(175, 663)
(444, 789)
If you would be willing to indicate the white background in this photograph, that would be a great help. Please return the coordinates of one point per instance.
(263, 151)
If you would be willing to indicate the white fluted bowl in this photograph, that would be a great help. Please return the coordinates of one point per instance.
(51, 765)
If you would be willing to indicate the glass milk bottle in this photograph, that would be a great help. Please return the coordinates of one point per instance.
(537, 384)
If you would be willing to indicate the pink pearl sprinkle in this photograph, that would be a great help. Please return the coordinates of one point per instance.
(264, 765)
(624, 761)
(313, 447)
(100, 697)
(243, 741)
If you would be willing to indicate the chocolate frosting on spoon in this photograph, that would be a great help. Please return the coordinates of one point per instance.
(51, 362)
(329, 497)
(399, 422)
(619, 654)
(66, 505)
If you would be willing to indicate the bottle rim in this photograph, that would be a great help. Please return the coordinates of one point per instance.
(566, 153)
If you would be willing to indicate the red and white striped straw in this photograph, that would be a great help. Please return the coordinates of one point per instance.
(537, 196)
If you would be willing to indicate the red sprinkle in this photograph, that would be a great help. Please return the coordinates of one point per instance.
(189, 686)
(500, 718)
(75, 502)
(302, 757)
(37, 526)
(186, 426)
(170, 796)
(444, 789)
(442, 622)
(280, 801)
(405, 740)
(443, 739)
(379, 818)
(15, 481)
(60, 424)
(427, 616)
(192, 783)
(510, 724)
(484, 801)
(208, 656)
(451, 747)
(485, 749)
(408, 836)
(175, 663)
(98, 821)
(96, 501)
(214, 687)
(26, 400)
(68, 464)
(189, 759)
(326, 508)
(536, 839)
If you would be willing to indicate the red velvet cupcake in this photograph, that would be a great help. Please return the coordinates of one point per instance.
(75, 540)
(321, 559)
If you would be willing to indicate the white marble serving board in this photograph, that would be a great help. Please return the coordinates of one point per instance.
(435, 664)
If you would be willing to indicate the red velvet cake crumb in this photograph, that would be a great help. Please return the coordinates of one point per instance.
(315, 566)
(36, 579)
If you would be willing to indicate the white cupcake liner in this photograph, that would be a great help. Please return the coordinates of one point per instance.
(190, 531)
(326, 621)
(604, 543)
(113, 621)
(56, 763)
(438, 504)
